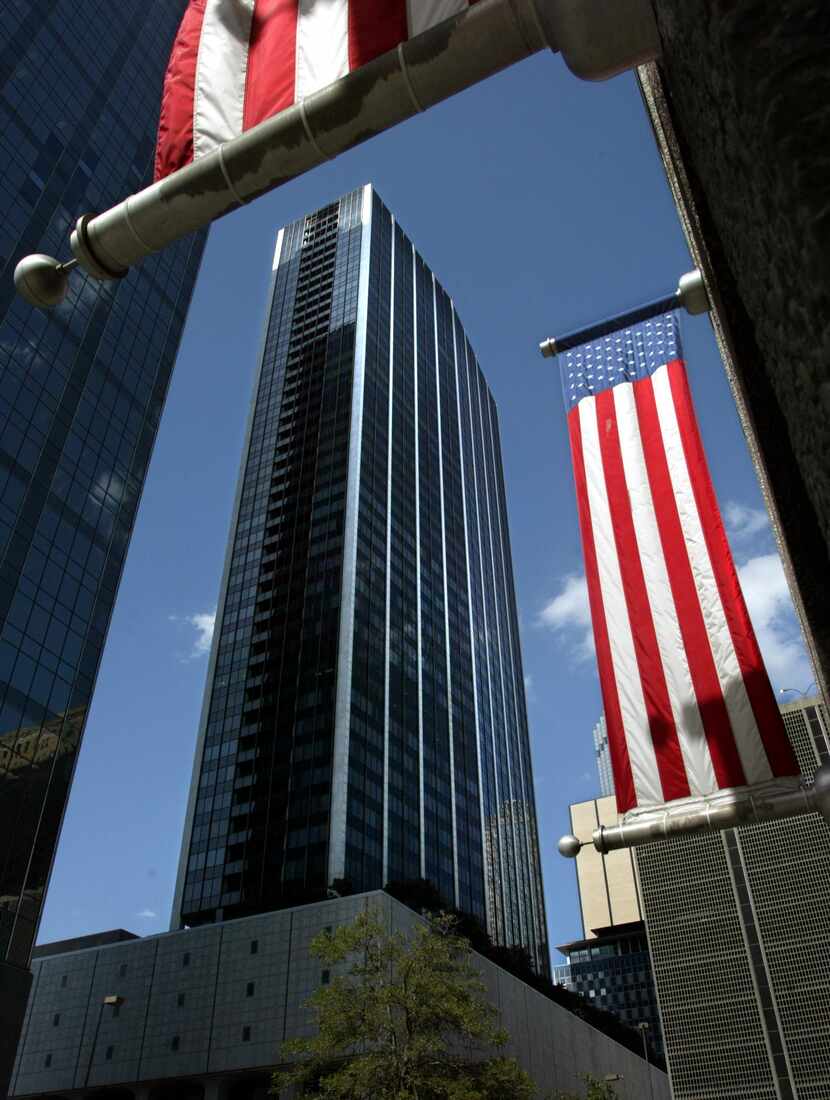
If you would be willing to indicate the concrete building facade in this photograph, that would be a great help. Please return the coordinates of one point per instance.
(202, 1013)
(607, 883)
(739, 931)
(740, 104)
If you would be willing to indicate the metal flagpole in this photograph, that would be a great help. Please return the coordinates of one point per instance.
(643, 1028)
(727, 809)
(690, 295)
(597, 38)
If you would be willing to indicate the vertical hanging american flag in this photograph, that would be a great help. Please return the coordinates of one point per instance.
(688, 703)
(237, 62)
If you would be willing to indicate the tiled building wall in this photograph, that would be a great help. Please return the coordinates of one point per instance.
(739, 932)
(187, 1009)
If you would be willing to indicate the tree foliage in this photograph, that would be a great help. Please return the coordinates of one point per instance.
(406, 1018)
(422, 896)
(595, 1089)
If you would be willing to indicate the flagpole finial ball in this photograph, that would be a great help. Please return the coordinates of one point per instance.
(821, 790)
(569, 846)
(692, 292)
(41, 280)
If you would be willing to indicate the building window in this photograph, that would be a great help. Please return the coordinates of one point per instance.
(116, 1011)
(254, 946)
(47, 1061)
(174, 1043)
(180, 1000)
(108, 1053)
(56, 1019)
(249, 989)
(246, 1034)
(63, 981)
(122, 970)
(325, 977)
(186, 959)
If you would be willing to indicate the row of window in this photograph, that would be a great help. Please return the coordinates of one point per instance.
(175, 1044)
(253, 948)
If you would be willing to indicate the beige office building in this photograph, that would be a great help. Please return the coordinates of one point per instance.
(607, 884)
(610, 965)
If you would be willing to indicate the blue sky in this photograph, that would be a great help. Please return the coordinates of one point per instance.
(540, 203)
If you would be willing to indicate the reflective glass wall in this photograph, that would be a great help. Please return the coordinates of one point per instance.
(365, 720)
(81, 393)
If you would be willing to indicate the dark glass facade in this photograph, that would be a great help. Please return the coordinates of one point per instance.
(613, 971)
(81, 393)
(365, 720)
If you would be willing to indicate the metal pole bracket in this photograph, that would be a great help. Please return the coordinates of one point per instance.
(601, 38)
(727, 809)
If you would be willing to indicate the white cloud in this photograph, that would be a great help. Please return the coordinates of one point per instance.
(530, 694)
(744, 523)
(203, 623)
(568, 614)
(773, 616)
(147, 914)
(767, 597)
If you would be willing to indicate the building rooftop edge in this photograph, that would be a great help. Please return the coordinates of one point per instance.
(374, 190)
(629, 928)
(201, 927)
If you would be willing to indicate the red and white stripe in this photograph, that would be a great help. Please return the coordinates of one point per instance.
(237, 62)
(688, 703)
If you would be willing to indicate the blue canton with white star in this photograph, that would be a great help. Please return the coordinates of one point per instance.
(625, 356)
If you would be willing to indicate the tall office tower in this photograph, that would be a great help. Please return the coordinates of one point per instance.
(603, 755)
(364, 718)
(81, 392)
(739, 930)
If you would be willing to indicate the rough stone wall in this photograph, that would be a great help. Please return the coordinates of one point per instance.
(745, 89)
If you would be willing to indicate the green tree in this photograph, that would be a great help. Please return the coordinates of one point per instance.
(407, 1019)
(595, 1089)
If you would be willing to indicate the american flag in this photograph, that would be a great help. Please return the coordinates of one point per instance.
(688, 704)
(237, 62)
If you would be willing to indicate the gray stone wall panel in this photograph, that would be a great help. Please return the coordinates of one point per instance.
(551, 1043)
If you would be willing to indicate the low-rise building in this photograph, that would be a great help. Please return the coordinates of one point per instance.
(202, 1013)
(610, 965)
(612, 970)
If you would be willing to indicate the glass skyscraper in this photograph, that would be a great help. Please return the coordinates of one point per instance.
(602, 751)
(364, 719)
(81, 393)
